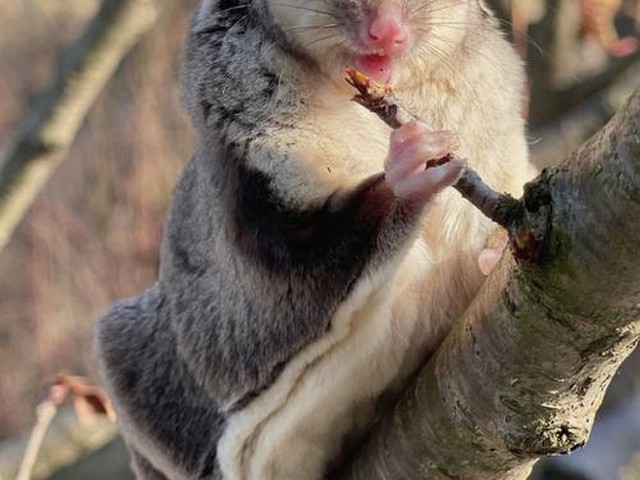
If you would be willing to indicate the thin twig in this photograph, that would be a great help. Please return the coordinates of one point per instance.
(44, 413)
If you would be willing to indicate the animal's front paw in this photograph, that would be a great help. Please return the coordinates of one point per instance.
(412, 147)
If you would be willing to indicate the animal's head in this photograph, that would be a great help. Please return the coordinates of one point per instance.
(379, 37)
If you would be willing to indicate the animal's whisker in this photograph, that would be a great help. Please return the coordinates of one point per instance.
(229, 9)
(429, 8)
(311, 27)
(319, 40)
(308, 9)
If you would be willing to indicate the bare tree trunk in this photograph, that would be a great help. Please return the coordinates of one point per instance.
(524, 371)
(54, 121)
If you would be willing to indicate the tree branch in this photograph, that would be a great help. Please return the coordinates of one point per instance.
(44, 415)
(523, 372)
(54, 121)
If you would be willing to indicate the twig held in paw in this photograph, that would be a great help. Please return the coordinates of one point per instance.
(503, 209)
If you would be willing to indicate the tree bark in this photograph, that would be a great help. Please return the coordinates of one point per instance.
(54, 121)
(524, 371)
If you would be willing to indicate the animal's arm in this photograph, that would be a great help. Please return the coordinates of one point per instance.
(293, 266)
(337, 234)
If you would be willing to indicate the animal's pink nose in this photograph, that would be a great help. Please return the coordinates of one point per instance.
(388, 31)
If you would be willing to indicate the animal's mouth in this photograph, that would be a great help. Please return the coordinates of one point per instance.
(377, 66)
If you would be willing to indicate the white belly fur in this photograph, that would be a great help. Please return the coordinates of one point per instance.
(296, 427)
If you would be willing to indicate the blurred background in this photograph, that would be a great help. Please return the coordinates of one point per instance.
(92, 235)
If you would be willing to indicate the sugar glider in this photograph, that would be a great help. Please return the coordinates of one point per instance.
(310, 262)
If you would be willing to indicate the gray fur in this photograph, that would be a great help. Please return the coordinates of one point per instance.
(250, 274)
(228, 313)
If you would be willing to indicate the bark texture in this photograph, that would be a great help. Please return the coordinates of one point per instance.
(524, 371)
(54, 121)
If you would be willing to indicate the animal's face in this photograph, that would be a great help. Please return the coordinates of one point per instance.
(379, 37)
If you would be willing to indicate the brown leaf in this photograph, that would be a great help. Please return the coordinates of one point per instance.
(88, 400)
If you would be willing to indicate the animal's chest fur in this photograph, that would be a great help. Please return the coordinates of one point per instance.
(346, 140)
(335, 146)
(360, 136)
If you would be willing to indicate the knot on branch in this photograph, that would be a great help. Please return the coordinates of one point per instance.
(544, 439)
(531, 233)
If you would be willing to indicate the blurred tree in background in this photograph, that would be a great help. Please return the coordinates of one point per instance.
(93, 234)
